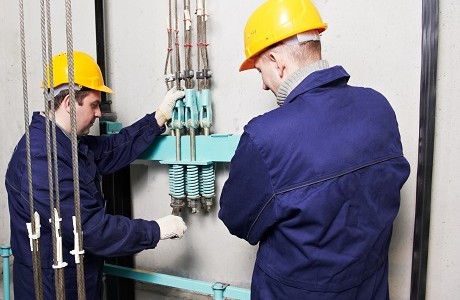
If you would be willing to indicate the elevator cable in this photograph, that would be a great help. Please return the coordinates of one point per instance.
(78, 234)
(204, 74)
(51, 147)
(168, 70)
(191, 115)
(188, 73)
(33, 227)
(176, 171)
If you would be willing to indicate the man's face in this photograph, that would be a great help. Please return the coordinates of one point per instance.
(88, 112)
(270, 76)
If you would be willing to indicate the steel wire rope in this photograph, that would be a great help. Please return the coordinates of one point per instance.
(79, 258)
(207, 172)
(188, 74)
(176, 171)
(176, 45)
(169, 61)
(204, 51)
(35, 244)
(198, 41)
(191, 177)
(53, 179)
(202, 56)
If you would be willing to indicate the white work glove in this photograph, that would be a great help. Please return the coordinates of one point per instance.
(171, 227)
(166, 107)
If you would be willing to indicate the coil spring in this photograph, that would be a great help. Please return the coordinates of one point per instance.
(207, 181)
(192, 183)
(176, 181)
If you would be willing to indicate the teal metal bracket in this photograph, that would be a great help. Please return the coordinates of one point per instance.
(111, 127)
(209, 148)
(218, 290)
(5, 252)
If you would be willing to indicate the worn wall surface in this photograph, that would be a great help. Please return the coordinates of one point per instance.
(443, 281)
(378, 43)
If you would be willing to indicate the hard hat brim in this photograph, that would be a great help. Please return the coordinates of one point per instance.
(247, 64)
(104, 89)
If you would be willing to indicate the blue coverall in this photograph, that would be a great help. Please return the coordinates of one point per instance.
(104, 235)
(317, 183)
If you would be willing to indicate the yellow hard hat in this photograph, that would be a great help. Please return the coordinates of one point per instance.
(276, 20)
(86, 72)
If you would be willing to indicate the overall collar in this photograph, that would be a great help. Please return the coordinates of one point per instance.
(297, 77)
(318, 79)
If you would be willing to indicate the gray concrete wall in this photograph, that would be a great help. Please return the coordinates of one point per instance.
(443, 280)
(379, 44)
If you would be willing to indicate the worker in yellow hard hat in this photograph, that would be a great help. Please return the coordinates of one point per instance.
(88, 76)
(104, 235)
(315, 182)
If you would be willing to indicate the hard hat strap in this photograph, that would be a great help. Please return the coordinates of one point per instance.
(303, 37)
(65, 86)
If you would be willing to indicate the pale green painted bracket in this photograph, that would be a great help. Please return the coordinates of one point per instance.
(111, 127)
(208, 149)
(5, 253)
(217, 289)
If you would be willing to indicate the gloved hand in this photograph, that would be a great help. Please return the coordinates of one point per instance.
(171, 227)
(166, 107)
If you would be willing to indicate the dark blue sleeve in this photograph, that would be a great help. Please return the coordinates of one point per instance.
(247, 201)
(114, 152)
(111, 235)
(103, 234)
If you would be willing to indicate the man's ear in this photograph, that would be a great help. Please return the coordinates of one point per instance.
(66, 104)
(280, 65)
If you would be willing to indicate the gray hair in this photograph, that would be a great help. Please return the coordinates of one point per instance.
(301, 54)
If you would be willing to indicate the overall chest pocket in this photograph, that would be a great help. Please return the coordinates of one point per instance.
(89, 177)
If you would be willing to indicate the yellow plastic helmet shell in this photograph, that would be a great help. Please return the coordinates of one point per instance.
(276, 20)
(86, 72)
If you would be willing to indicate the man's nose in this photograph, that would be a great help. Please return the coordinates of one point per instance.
(98, 112)
(264, 87)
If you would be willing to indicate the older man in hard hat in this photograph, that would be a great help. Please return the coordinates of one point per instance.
(316, 182)
(104, 235)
